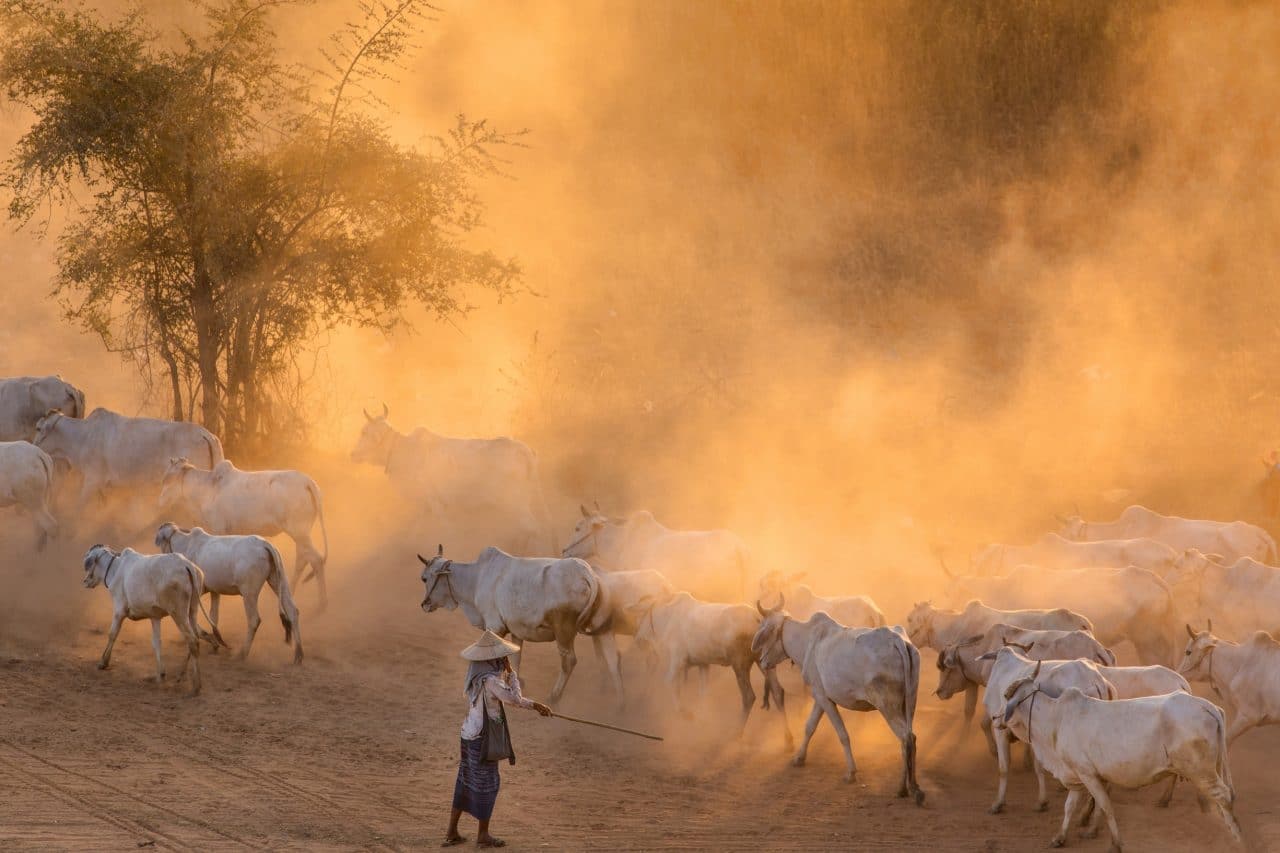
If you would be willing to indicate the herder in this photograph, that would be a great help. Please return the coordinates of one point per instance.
(485, 740)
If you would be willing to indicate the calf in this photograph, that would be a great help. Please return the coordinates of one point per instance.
(856, 668)
(1090, 745)
(685, 632)
(151, 587)
(237, 565)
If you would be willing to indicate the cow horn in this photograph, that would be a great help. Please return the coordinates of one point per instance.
(439, 550)
(597, 503)
(424, 560)
(942, 562)
(1210, 626)
(385, 410)
(583, 507)
(1190, 633)
(367, 416)
(763, 614)
(1062, 519)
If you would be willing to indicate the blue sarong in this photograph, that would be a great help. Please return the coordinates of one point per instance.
(476, 790)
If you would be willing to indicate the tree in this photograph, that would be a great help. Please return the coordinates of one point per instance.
(223, 208)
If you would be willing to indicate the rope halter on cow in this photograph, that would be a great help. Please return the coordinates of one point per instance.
(444, 571)
(591, 534)
(106, 576)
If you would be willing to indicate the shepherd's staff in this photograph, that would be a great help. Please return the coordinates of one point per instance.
(603, 726)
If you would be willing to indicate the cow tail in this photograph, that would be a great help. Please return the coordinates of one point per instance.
(910, 689)
(1223, 767)
(314, 491)
(215, 448)
(197, 594)
(596, 617)
(288, 610)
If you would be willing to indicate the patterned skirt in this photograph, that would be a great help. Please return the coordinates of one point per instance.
(476, 790)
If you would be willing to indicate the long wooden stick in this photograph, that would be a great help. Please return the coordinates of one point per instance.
(603, 726)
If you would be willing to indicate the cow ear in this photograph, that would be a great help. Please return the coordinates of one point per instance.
(385, 411)
(1190, 633)
(439, 550)
(367, 416)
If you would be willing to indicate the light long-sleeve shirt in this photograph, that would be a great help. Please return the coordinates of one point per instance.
(495, 691)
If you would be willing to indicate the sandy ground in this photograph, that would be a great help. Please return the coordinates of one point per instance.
(357, 748)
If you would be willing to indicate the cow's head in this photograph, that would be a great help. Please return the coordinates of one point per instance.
(767, 645)
(1072, 527)
(583, 542)
(172, 487)
(920, 624)
(952, 674)
(437, 577)
(376, 439)
(1019, 691)
(47, 436)
(164, 536)
(774, 585)
(1199, 648)
(50, 393)
(97, 562)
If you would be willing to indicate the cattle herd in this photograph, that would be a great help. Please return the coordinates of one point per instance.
(1028, 635)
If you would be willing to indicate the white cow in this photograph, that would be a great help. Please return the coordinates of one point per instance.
(853, 611)
(710, 564)
(1232, 539)
(113, 451)
(1245, 675)
(540, 600)
(26, 481)
(1090, 744)
(629, 595)
(461, 478)
(24, 400)
(1054, 552)
(237, 565)
(1241, 598)
(861, 669)
(936, 628)
(152, 586)
(685, 633)
(1123, 604)
(227, 500)
(1009, 666)
(968, 662)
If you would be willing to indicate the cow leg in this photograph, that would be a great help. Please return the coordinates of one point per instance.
(607, 651)
(155, 644)
(833, 714)
(1167, 797)
(183, 621)
(568, 660)
(1102, 801)
(743, 673)
(1001, 737)
(1074, 795)
(1222, 796)
(214, 600)
(252, 621)
(112, 633)
(1238, 726)
(774, 685)
(1028, 757)
(1042, 805)
(810, 726)
(970, 702)
(984, 723)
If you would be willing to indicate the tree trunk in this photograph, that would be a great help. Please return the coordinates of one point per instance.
(205, 316)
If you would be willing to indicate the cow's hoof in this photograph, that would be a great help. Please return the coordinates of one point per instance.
(1057, 841)
(1042, 807)
(1089, 832)
(1115, 848)
(797, 761)
(996, 808)
(1162, 804)
(919, 797)
(102, 664)
(848, 778)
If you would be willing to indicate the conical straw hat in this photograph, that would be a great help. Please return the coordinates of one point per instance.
(489, 647)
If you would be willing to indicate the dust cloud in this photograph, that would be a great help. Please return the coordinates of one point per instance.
(855, 280)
